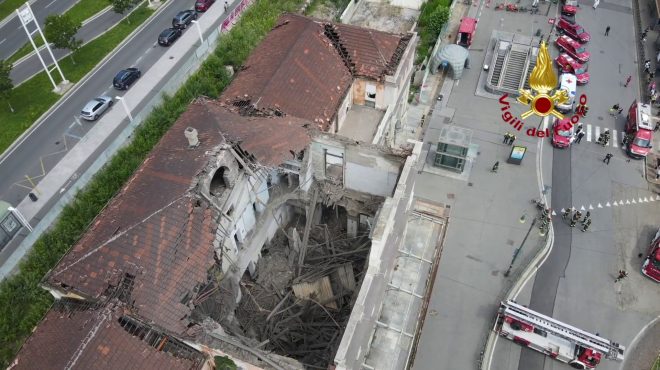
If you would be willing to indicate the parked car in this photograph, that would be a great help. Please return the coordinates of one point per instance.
(570, 65)
(573, 29)
(183, 19)
(573, 48)
(561, 137)
(570, 7)
(168, 36)
(95, 108)
(125, 78)
(203, 5)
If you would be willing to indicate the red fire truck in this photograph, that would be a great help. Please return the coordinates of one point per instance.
(578, 348)
(639, 130)
(651, 265)
(466, 31)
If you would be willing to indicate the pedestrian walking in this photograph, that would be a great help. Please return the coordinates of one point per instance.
(627, 81)
(586, 217)
(607, 158)
(622, 275)
(607, 31)
(585, 226)
(495, 167)
(580, 135)
(566, 213)
(573, 222)
(226, 6)
(596, 2)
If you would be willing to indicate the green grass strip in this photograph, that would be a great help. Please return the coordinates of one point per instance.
(22, 302)
(9, 6)
(34, 97)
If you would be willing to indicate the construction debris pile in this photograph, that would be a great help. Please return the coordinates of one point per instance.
(301, 310)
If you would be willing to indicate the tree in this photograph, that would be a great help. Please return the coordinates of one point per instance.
(61, 31)
(120, 6)
(6, 85)
(437, 20)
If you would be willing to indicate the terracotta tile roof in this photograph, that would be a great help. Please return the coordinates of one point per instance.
(59, 340)
(155, 229)
(372, 52)
(299, 69)
(271, 140)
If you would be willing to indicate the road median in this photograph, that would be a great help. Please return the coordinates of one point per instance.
(33, 101)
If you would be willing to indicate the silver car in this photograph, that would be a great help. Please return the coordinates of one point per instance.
(95, 108)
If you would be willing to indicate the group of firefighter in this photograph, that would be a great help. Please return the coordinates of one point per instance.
(573, 216)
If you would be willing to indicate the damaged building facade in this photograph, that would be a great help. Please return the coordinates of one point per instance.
(254, 227)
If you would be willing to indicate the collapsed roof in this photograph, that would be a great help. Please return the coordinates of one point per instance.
(304, 67)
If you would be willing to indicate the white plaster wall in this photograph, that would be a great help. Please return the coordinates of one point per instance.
(343, 108)
(370, 172)
(318, 150)
(410, 4)
(386, 237)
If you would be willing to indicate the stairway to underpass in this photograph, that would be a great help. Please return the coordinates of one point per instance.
(512, 62)
(497, 67)
(514, 68)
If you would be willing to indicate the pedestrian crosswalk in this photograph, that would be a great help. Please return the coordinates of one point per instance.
(592, 132)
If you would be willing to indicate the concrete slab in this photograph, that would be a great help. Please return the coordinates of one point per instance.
(361, 123)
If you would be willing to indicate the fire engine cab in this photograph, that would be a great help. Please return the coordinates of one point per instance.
(639, 129)
(651, 265)
(578, 348)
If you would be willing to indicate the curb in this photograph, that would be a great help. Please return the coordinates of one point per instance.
(13, 14)
(75, 87)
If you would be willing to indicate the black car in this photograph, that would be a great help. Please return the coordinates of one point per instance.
(125, 78)
(183, 18)
(167, 37)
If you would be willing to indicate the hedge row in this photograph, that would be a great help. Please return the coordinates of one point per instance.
(22, 302)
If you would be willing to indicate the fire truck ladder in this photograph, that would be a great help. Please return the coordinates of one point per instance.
(612, 350)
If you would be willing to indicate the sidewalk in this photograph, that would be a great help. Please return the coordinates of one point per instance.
(648, 50)
(485, 227)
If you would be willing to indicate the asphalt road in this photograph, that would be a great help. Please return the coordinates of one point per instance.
(31, 66)
(12, 35)
(48, 141)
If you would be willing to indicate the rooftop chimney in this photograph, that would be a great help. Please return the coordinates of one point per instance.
(191, 135)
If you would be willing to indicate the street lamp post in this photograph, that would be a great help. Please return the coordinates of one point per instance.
(517, 251)
(199, 31)
(123, 103)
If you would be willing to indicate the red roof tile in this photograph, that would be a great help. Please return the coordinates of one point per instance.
(298, 68)
(94, 340)
(155, 229)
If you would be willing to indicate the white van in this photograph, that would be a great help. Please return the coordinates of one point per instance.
(567, 82)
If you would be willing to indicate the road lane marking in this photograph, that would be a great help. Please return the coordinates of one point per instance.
(615, 139)
(588, 132)
(50, 3)
(44, 118)
(597, 131)
(3, 40)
